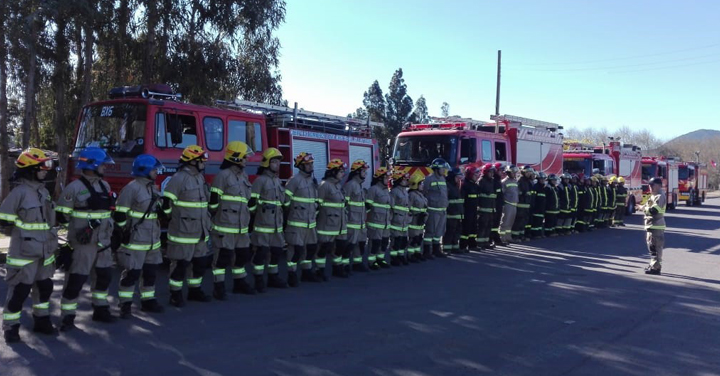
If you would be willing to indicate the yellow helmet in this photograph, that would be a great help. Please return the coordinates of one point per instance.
(415, 181)
(400, 174)
(303, 158)
(193, 152)
(359, 165)
(612, 179)
(336, 163)
(269, 154)
(33, 157)
(236, 151)
(380, 172)
(621, 180)
(594, 179)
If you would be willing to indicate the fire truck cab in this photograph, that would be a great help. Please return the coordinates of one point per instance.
(665, 169)
(692, 183)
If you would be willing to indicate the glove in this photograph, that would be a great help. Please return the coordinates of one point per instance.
(64, 257)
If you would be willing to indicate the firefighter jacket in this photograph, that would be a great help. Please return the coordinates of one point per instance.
(436, 191)
(573, 193)
(564, 195)
(378, 203)
(470, 193)
(332, 218)
(229, 198)
(605, 197)
(612, 197)
(538, 205)
(621, 194)
(455, 202)
(525, 196)
(30, 210)
(139, 197)
(499, 199)
(486, 195)
(418, 212)
(510, 191)
(552, 199)
(269, 196)
(400, 210)
(83, 210)
(188, 197)
(591, 194)
(583, 198)
(355, 199)
(654, 210)
(301, 201)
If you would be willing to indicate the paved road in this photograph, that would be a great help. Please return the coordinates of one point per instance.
(576, 305)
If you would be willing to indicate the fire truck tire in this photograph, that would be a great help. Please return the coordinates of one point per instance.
(630, 207)
(691, 198)
(671, 205)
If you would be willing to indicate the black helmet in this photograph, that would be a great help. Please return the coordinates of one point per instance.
(541, 175)
(454, 172)
(656, 181)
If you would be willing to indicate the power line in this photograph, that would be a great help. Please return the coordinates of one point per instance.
(620, 66)
(670, 67)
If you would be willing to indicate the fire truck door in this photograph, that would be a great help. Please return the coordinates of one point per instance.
(319, 150)
(365, 153)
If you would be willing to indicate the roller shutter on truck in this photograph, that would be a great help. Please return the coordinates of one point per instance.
(319, 150)
(365, 153)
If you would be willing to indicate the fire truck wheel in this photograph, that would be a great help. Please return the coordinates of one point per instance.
(630, 207)
(691, 198)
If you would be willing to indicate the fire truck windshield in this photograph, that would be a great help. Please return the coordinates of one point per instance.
(421, 150)
(576, 166)
(683, 172)
(648, 171)
(118, 128)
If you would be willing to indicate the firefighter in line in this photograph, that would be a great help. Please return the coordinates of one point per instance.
(418, 216)
(564, 218)
(266, 207)
(451, 239)
(621, 195)
(400, 217)
(332, 221)
(654, 210)
(591, 209)
(185, 199)
(598, 200)
(612, 200)
(435, 189)
(583, 202)
(533, 196)
(301, 205)
(30, 263)
(229, 198)
(510, 195)
(499, 204)
(84, 206)
(537, 219)
(470, 193)
(522, 215)
(139, 255)
(605, 196)
(574, 198)
(378, 202)
(356, 224)
(486, 201)
(552, 206)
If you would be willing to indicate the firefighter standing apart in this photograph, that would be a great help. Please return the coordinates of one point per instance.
(451, 239)
(654, 210)
(357, 227)
(418, 215)
(510, 195)
(229, 198)
(136, 212)
(332, 221)
(300, 228)
(31, 259)
(378, 204)
(185, 199)
(435, 189)
(85, 206)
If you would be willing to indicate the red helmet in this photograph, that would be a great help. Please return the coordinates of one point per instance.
(470, 171)
(498, 166)
(487, 168)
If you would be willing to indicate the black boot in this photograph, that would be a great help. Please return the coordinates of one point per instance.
(360, 268)
(293, 279)
(427, 253)
(126, 310)
(176, 299)
(260, 283)
(338, 271)
(68, 323)
(375, 266)
(152, 306)
(414, 258)
(12, 335)
(275, 281)
(653, 271)
(437, 252)
(240, 286)
(196, 294)
(219, 291)
(102, 314)
(321, 274)
(420, 256)
(395, 261)
(383, 264)
(404, 259)
(43, 325)
(348, 269)
(309, 276)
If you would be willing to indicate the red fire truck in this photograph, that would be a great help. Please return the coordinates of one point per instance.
(466, 142)
(692, 183)
(665, 169)
(151, 119)
(613, 159)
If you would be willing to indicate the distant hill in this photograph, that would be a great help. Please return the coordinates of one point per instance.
(698, 135)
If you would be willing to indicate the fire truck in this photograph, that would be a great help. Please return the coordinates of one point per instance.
(152, 120)
(613, 159)
(466, 142)
(692, 183)
(665, 169)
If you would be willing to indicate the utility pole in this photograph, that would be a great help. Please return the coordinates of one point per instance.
(497, 90)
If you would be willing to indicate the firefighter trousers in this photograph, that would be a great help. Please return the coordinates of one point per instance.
(87, 262)
(521, 219)
(451, 239)
(358, 252)
(236, 259)
(468, 237)
(378, 247)
(551, 222)
(655, 240)
(495, 230)
(536, 225)
(138, 266)
(506, 222)
(484, 228)
(32, 278)
(619, 215)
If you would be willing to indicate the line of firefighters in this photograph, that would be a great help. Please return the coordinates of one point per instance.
(235, 224)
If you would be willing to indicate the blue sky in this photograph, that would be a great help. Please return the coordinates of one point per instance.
(646, 64)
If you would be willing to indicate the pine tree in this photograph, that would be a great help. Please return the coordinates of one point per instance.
(445, 109)
(420, 115)
(399, 104)
(374, 102)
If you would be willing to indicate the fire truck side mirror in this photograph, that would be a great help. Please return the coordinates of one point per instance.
(175, 129)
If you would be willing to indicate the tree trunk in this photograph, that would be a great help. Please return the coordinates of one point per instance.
(30, 79)
(123, 19)
(148, 69)
(5, 161)
(58, 82)
(87, 74)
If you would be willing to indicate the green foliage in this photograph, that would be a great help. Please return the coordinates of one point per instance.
(420, 114)
(399, 103)
(445, 109)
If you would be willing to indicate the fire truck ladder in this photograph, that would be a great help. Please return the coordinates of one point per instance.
(521, 121)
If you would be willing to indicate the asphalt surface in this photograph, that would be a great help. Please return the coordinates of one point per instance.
(576, 305)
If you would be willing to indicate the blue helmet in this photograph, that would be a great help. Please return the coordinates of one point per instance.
(438, 163)
(92, 157)
(145, 163)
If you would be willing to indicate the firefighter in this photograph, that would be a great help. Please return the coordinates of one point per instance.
(510, 195)
(356, 224)
(84, 206)
(332, 220)
(522, 215)
(454, 215)
(552, 206)
(598, 201)
(185, 200)
(612, 200)
(590, 209)
(486, 203)
(378, 203)
(418, 215)
(266, 201)
(400, 217)
(654, 210)
(435, 189)
(229, 198)
(301, 200)
(574, 197)
(564, 218)
(538, 207)
(533, 196)
(30, 262)
(621, 196)
(605, 196)
(139, 255)
(469, 191)
(499, 204)
(582, 205)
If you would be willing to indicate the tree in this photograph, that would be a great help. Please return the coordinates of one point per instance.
(420, 114)
(374, 102)
(445, 109)
(5, 161)
(360, 113)
(399, 103)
